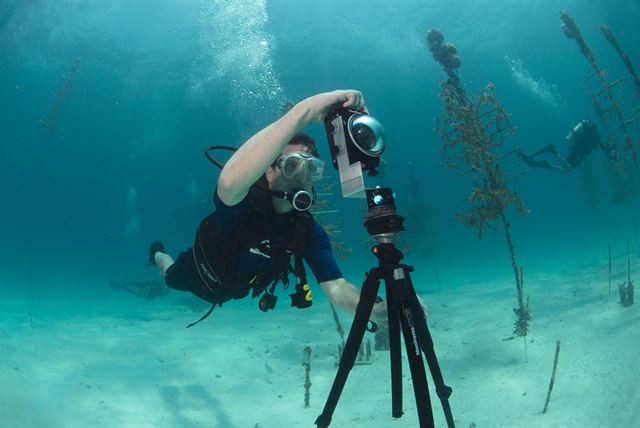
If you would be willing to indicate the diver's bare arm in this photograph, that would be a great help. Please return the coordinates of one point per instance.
(345, 295)
(254, 157)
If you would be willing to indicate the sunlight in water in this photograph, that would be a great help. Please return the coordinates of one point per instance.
(132, 229)
(191, 187)
(539, 88)
(235, 49)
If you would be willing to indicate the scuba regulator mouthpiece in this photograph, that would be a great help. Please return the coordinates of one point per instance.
(301, 199)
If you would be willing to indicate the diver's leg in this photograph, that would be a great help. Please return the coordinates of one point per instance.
(163, 261)
(532, 162)
(549, 148)
(562, 163)
(117, 284)
(530, 159)
(548, 165)
(124, 285)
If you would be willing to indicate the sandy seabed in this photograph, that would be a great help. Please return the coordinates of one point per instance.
(120, 361)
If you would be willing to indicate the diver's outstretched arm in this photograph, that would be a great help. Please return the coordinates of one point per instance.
(255, 156)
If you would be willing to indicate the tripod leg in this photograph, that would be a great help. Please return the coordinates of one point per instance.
(368, 295)
(395, 354)
(403, 294)
(426, 343)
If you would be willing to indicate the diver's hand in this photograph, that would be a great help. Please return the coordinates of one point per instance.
(424, 307)
(319, 106)
(379, 313)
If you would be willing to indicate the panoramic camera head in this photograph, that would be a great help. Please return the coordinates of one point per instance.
(356, 141)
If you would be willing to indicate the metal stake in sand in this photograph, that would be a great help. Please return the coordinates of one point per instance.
(307, 375)
(609, 268)
(364, 354)
(553, 377)
(626, 288)
(628, 263)
(339, 328)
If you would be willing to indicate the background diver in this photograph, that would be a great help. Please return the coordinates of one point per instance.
(583, 139)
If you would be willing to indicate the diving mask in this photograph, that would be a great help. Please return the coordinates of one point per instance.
(298, 165)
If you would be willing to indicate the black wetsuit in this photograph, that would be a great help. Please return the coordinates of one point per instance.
(583, 139)
(255, 265)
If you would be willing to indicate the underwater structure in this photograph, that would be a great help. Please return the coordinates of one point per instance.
(617, 105)
(472, 131)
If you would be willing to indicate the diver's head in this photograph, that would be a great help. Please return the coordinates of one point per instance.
(296, 169)
(302, 139)
(298, 164)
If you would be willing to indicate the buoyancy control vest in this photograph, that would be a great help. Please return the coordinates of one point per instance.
(215, 253)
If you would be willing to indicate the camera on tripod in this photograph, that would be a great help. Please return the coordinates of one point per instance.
(356, 141)
(382, 219)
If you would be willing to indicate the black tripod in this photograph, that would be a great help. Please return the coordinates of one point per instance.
(404, 312)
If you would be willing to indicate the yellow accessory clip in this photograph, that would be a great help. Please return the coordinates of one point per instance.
(308, 296)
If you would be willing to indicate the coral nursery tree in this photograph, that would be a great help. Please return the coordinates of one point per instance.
(617, 104)
(473, 130)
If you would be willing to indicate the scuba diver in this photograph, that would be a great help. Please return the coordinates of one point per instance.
(261, 219)
(583, 139)
(146, 289)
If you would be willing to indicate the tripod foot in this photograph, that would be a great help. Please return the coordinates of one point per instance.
(323, 421)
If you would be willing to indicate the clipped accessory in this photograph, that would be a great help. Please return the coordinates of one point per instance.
(303, 297)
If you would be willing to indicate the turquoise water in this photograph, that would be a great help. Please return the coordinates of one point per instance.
(106, 108)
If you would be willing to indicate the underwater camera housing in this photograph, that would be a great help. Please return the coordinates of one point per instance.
(356, 141)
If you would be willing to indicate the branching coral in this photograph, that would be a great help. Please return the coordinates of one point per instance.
(472, 130)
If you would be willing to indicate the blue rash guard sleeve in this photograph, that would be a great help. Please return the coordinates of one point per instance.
(230, 216)
(318, 255)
